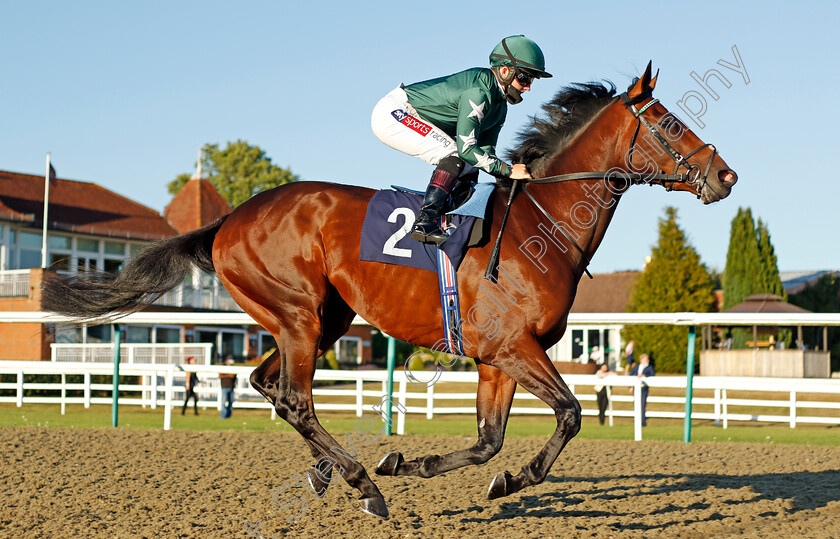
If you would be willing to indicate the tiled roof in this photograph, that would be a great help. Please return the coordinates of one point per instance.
(80, 207)
(605, 292)
(765, 303)
(196, 204)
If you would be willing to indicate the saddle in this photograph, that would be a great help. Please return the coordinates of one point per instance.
(384, 238)
(390, 214)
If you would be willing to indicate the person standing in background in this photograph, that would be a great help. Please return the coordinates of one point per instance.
(643, 370)
(601, 392)
(628, 357)
(189, 385)
(228, 383)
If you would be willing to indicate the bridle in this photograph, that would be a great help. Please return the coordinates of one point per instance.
(691, 177)
(678, 158)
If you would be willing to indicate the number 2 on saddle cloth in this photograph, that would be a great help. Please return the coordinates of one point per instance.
(385, 238)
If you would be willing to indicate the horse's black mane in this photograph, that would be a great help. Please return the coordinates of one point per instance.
(546, 134)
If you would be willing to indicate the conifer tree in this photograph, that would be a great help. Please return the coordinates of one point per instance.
(751, 268)
(770, 282)
(742, 260)
(674, 280)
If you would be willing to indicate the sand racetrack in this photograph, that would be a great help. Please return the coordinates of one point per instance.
(136, 483)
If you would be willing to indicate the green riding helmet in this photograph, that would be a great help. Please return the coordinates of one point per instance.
(519, 52)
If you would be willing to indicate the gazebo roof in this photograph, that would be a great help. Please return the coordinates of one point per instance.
(765, 303)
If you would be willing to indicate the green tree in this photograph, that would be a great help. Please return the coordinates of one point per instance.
(674, 280)
(239, 171)
(823, 297)
(769, 280)
(751, 268)
(751, 264)
(742, 260)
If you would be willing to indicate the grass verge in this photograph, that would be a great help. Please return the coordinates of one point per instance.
(134, 417)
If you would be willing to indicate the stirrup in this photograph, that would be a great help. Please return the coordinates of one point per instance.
(420, 232)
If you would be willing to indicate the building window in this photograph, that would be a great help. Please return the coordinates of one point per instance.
(65, 333)
(113, 266)
(349, 350)
(167, 335)
(60, 262)
(59, 243)
(87, 245)
(114, 248)
(138, 334)
(29, 250)
(267, 343)
(99, 334)
(233, 344)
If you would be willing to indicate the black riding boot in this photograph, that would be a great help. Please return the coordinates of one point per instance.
(426, 228)
(463, 190)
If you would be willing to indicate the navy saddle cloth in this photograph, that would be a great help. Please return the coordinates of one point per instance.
(390, 215)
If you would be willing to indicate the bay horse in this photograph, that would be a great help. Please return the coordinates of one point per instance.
(290, 258)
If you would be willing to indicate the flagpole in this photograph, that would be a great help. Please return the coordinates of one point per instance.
(46, 205)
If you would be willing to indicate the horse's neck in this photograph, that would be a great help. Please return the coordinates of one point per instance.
(586, 206)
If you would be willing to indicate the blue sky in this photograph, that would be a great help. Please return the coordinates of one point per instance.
(124, 95)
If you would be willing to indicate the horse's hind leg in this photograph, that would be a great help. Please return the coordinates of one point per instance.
(529, 365)
(493, 400)
(336, 320)
(286, 377)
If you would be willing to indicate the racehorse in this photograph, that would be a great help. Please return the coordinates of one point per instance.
(290, 258)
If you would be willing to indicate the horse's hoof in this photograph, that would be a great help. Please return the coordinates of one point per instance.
(389, 463)
(316, 483)
(374, 506)
(499, 486)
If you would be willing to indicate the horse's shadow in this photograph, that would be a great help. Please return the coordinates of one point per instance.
(806, 491)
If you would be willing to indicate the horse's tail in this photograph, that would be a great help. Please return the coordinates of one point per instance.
(159, 267)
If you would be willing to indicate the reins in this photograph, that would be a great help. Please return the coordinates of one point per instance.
(666, 180)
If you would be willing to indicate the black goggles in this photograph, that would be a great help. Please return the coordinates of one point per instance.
(523, 78)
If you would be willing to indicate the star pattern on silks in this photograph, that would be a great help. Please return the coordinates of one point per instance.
(469, 140)
(483, 161)
(477, 110)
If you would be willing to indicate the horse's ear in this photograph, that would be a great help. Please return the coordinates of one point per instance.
(643, 85)
(653, 80)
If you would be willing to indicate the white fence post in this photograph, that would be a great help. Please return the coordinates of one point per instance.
(793, 409)
(725, 406)
(637, 410)
(63, 393)
(430, 401)
(402, 400)
(717, 406)
(610, 404)
(360, 386)
(20, 389)
(219, 397)
(87, 390)
(167, 411)
(154, 385)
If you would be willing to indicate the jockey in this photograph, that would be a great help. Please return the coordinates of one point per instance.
(453, 123)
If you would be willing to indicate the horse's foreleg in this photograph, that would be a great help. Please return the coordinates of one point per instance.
(529, 365)
(493, 400)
